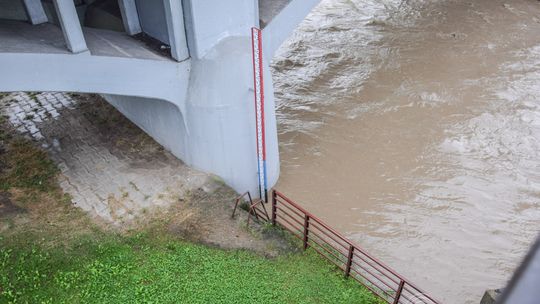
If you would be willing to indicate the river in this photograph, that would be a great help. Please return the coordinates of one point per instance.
(414, 128)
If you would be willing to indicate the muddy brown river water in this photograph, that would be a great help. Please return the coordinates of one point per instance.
(414, 128)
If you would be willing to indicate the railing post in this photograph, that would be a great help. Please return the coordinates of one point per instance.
(349, 261)
(306, 231)
(398, 293)
(274, 205)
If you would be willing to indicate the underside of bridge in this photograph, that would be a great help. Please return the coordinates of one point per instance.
(180, 70)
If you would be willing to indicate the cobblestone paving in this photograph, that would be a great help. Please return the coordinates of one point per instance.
(110, 167)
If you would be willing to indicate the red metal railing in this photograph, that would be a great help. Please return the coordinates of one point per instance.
(353, 260)
(253, 208)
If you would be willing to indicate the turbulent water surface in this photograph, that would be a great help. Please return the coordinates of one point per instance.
(414, 127)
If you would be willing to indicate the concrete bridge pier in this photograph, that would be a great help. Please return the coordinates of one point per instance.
(214, 129)
(198, 103)
(222, 121)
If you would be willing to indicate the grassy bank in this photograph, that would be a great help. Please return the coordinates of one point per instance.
(50, 252)
(146, 268)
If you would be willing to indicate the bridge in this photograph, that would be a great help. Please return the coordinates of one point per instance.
(181, 70)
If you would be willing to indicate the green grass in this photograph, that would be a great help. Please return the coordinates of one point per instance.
(51, 252)
(157, 269)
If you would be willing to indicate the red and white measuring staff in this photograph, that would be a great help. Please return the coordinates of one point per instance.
(256, 43)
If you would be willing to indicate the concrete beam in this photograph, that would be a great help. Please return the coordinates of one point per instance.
(210, 21)
(174, 16)
(130, 17)
(35, 12)
(95, 74)
(208, 120)
(71, 26)
(282, 26)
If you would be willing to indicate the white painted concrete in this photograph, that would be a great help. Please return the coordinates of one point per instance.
(209, 21)
(94, 74)
(268, 9)
(221, 122)
(34, 10)
(20, 37)
(152, 19)
(174, 16)
(281, 27)
(163, 120)
(201, 109)
(70, 24)
(130, 17)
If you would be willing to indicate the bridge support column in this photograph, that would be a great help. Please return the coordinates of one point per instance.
(220, 107)
(35, 12)
(71, 26)
(175, 27)
(200, 107)
(130, 16)
(221, 120)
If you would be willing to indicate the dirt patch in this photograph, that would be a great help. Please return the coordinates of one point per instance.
(78, 151)
(109, 166)
(7, 208)
(124, 139)
(206, 218)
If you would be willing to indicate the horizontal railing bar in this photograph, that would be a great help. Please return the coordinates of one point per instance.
(288, 211)
(415, 293)
(312, 232)
(417, 290)
(291, 209)
(313, 217)
(291, 224)
(404, 296)
(290, 216)
(341, 257)
(328, 235)
(381, 290)
(383, 297)
(327, 250)
(339, 239)
(360, 250)
(375, 276)
(297, 235)
(342, 267)
(375, 268)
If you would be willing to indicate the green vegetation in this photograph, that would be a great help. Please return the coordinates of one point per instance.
(50, 252)
(147, 269)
